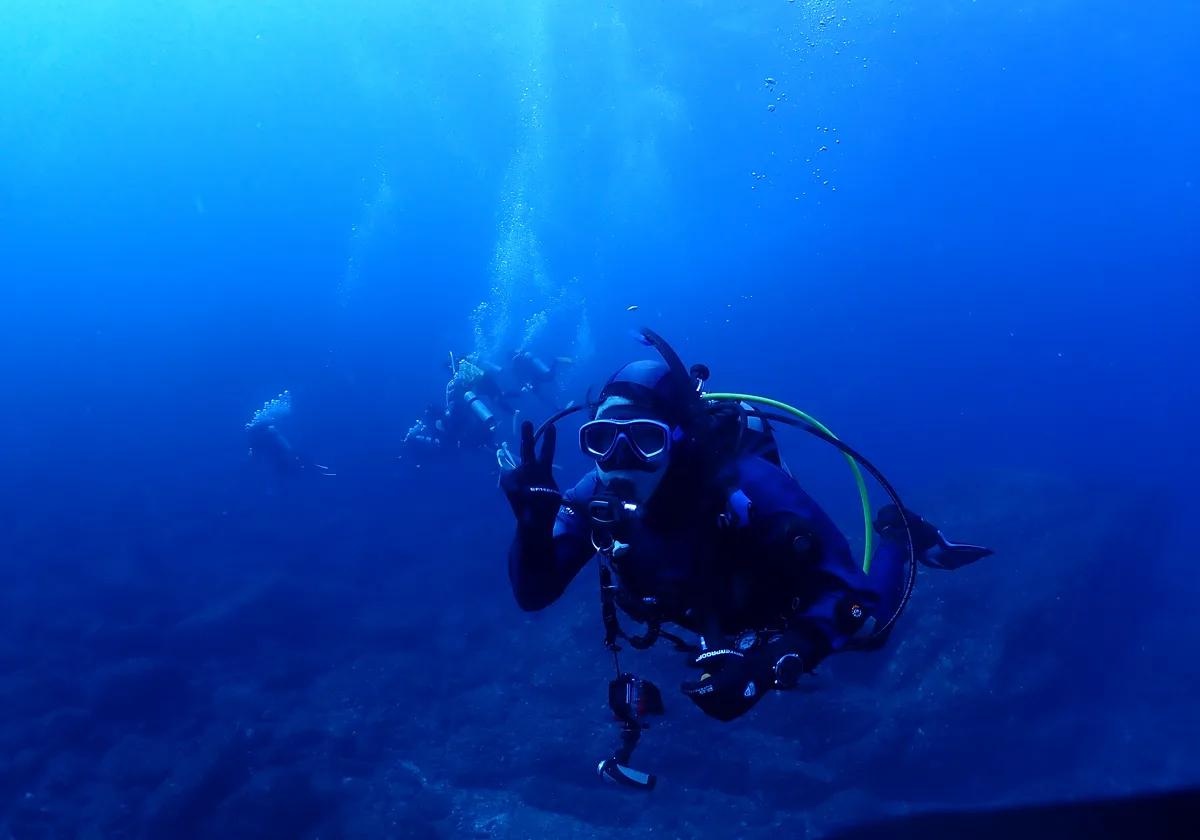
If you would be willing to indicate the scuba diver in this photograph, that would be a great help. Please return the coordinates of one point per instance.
(267, 441)
(473, 396)
(534, 374)
(696, 522)
(482, 380)
(469, 420)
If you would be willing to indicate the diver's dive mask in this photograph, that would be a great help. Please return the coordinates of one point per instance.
(648, 440)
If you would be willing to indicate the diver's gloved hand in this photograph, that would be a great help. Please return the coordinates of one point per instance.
(931, 546)
(530, 486)
(734, 680)
(730, 685)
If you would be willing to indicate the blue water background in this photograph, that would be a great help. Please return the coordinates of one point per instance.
(965, 238)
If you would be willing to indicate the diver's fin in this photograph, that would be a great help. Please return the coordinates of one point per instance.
(505, 459)
(950, 556)
(930, 545)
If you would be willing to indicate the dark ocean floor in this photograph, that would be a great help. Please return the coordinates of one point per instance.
(170, 694)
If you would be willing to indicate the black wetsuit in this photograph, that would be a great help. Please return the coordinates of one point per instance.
(757, 554)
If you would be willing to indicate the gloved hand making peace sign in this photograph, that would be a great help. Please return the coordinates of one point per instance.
(530, 486)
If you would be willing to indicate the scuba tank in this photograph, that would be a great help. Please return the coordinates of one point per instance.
(481, 411)
(759, 437)
(739, 428)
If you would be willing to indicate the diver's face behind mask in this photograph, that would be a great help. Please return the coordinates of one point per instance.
(631, 448)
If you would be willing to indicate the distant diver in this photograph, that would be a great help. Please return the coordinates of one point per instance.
(696, 522)
(535, 375)
(469, 419)
(479, 410)
(268, 443)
